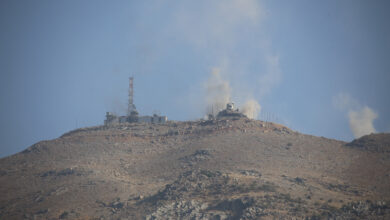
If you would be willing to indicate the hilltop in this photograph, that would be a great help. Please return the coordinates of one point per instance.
(216, 169)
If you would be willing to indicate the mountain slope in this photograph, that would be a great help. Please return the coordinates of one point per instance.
(221, 169)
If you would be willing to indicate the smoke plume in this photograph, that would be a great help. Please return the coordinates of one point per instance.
(361, 122)
(228, 33)
(251, 109)
(217, 92)
(361, 119)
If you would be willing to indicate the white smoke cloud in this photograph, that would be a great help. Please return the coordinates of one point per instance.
(361, 119)
(226, 34)
(217, 92)
(251, 109)
(361, 122)
(218, 26)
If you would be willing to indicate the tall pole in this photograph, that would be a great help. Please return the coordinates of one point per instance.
(131, 106)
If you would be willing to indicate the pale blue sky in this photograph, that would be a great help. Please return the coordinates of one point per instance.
(63, 64)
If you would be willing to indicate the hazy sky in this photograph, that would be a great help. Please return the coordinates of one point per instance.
(319, 67)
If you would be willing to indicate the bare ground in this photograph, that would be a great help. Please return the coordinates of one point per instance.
(221, 169)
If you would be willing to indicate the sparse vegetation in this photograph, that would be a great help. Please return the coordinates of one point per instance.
(193, 169)
(64, 215)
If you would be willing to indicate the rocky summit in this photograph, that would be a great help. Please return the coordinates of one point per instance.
(228, 168)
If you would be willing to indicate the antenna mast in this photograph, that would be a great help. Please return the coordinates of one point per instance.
(131, 106)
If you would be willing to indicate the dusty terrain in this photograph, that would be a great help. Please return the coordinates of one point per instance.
(221, 169)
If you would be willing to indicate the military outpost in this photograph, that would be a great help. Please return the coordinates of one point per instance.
(133, 116)
(132, 113)
(229, 112)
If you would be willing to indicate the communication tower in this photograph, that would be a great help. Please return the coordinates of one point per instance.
(131, 107)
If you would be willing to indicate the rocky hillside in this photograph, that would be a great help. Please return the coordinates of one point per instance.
(374, 142)
(217, 169)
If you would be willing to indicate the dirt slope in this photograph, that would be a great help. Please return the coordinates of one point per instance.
(221, 169)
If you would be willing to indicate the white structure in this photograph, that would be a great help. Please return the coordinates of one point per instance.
(230, 106)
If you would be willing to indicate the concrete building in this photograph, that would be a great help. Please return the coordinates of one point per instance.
(112, 119)
(153, 119)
